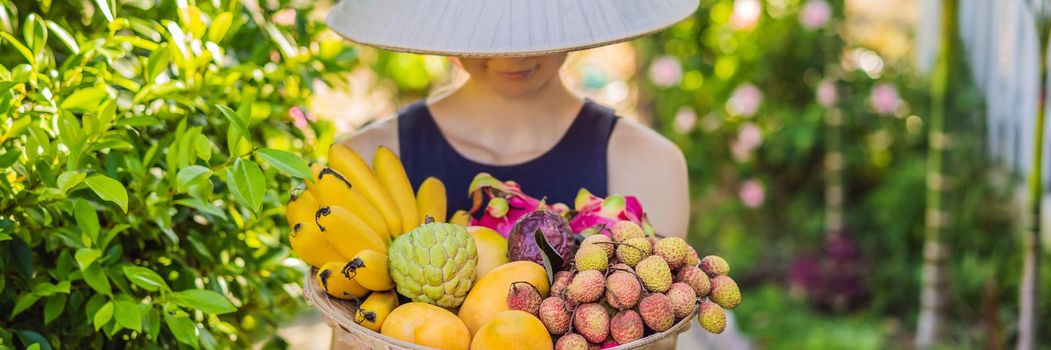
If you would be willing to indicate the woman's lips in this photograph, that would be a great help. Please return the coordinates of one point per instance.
(517, 75)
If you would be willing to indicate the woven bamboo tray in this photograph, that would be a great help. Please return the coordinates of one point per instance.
(341, 313)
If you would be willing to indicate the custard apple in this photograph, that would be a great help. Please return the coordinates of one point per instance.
(434, 263)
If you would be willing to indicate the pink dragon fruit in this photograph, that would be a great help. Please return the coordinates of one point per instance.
(507, 203)
(591, 210)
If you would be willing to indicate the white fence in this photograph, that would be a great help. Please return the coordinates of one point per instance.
(1000, 41)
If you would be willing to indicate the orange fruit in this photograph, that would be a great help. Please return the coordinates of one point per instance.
(511, 330)
(489, 294)
(427, 325)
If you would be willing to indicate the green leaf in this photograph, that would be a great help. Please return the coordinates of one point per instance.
(34, 31)
(140, 120)
(22, 49)
(552, 260)
(96, 279)
(128, 315)
(87, 219)
(235, 121)
(8, 159)
(85, 100)
(158, 62)
(54, 307)
(286, 162)
(109, 189)
(33, 338)
(144, 278)
(201, 206)
(106, 8)
(70, 132)
(191, 175)
(220, 25)
(64, 37)
(247, 183)
(107, 113)
(24, 302)
(103, 316)
(153, 323)
(204, 300)
(182, 328)
(69, 179)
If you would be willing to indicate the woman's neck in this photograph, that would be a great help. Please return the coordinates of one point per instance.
(478, 122)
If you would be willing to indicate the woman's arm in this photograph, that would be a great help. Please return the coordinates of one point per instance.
(383, 132)
(644, 164)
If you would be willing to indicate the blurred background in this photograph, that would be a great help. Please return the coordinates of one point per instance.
(863, 167)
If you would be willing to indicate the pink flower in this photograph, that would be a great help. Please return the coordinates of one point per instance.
(665, 71)
(751, 193)
(740, 152)
(826, 93)
(685, 120)
(745, 100)
(885, 98)
(746, 14)
(750, 136)
(815, 14)
(286, 17)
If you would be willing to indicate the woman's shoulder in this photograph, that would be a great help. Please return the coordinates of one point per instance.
(634, 139)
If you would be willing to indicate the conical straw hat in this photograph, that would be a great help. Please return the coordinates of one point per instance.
(501, 27)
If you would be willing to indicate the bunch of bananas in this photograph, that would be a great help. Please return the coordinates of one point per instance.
(348, 216)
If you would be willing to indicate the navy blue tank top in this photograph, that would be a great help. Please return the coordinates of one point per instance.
(577, 161)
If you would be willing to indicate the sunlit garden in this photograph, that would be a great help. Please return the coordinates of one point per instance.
(843, 156)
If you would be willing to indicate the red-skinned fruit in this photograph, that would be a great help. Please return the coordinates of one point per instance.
(586, 287)
(696, 278)
(524, 296)
(571, 341)
(592, 322)
(556, 315)
(626, 326)
(683, 299)
(656, 312)
(623, 290)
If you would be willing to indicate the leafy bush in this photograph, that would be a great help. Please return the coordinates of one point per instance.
(138, 210)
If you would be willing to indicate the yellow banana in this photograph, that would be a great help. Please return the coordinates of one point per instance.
(391, 174)
(369, 268)
(300, 208)
(430, 199)
(336, 284)
(375, 309)
(311, 246)
(349, 163)
(330, 188)
(460, 217)
(346, 232)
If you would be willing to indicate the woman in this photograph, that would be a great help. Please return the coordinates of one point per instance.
(514, 117)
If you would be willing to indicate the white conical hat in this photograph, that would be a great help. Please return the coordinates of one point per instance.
(501, 27)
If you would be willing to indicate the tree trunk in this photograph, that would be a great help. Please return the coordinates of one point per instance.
(930, 326)
(1030, 288)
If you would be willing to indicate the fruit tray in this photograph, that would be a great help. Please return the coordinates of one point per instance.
(341, 313)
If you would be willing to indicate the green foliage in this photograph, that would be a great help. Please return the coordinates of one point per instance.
(884, 162)
(147, 147)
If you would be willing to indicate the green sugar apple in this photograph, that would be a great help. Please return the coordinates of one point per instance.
(434, 263)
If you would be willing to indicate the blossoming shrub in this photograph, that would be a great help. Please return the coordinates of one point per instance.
(146, 147)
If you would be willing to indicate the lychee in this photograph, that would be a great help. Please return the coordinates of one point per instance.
(626, 326)
(571, 341)
(725, 292)
(561, 281)
(586, 287)
(673, 250)
(683, 299)
(622, 290)
(656, 311)
(592, 322)
(655, 274)
(696, 278)
(625, 230)
(600, 240)
(711, 317)
(621, 267)
(592, 257)
(524, 296)
(555, 314)
(633, 250)
(714, 266)
(691, 257)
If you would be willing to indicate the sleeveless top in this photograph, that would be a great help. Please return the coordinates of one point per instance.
(577, 161)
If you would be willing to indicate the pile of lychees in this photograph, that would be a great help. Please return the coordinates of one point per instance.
(627, 285)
